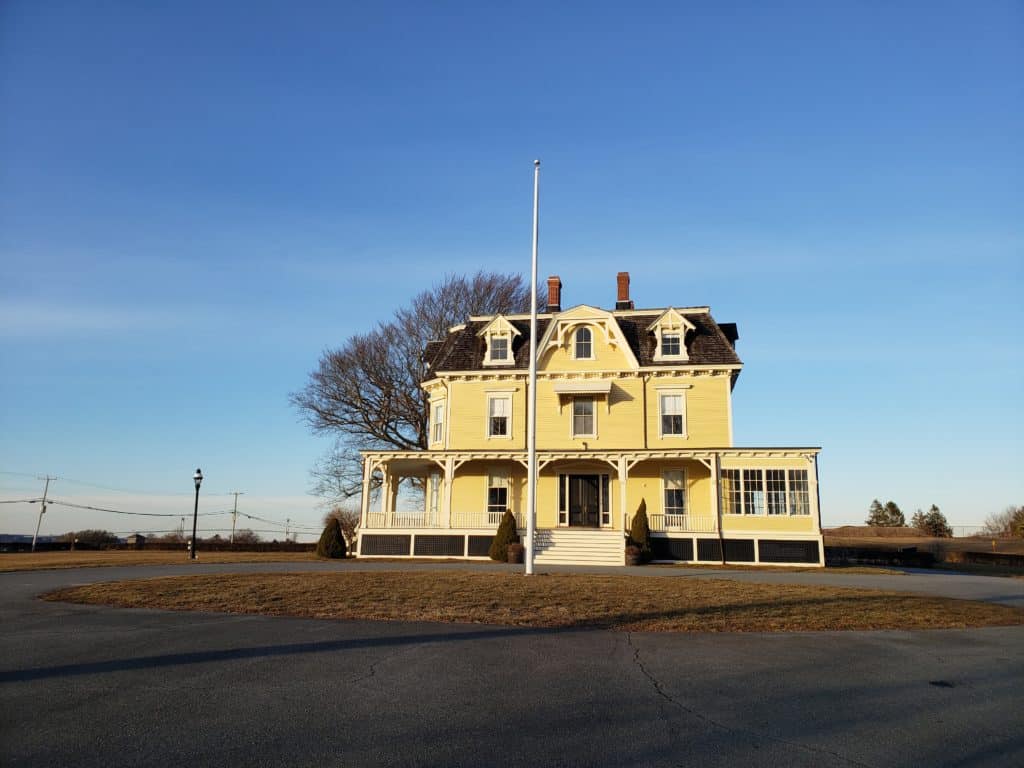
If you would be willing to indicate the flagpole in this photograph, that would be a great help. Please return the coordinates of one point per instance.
(531, 407)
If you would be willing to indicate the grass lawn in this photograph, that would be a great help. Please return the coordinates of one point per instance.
(553, 600)
(35, 561)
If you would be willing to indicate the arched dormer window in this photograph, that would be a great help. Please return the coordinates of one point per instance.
(583, 346)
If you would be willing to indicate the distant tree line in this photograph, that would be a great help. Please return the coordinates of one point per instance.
(889, 515)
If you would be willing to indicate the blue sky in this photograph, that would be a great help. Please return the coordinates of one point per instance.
(196, 199)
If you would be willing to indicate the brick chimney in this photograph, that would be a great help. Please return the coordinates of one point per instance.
(622, 300)
(554, 294)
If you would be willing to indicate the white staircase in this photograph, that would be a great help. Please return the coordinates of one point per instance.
(578, 546)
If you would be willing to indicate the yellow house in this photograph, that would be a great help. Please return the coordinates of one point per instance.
(633, 405)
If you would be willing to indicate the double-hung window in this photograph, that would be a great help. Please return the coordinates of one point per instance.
(583, 417)
(673, 415)
(499, 416)
(675, 497)
(437, 422)
(584, 345)
(497, 495)
(732, 498)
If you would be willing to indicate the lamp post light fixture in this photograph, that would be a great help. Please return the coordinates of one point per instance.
(198, 477)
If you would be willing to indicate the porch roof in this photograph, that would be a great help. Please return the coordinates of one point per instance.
(439, 458)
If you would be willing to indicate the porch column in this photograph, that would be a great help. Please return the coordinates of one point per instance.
(364, 500)
(716, 494)
(385, 495)
(623, 478)
(449, 477)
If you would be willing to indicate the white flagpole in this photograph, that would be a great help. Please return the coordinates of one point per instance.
(531, 407)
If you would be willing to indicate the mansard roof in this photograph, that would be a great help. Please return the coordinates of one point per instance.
(708, 343)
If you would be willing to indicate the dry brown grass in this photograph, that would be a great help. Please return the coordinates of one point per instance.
(563, 600)
(881, 538)
(35, 561)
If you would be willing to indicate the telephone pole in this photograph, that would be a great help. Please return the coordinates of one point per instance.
(287, 526)
(234, 514)
(42, 509)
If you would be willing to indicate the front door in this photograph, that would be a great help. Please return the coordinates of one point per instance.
(585, 500)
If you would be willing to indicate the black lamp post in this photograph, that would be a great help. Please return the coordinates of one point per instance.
(198, 477)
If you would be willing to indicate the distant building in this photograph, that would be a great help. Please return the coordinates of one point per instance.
(136, 540)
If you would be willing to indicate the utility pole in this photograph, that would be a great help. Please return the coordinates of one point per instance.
(287, 525)
(42, 509)
(234, 514)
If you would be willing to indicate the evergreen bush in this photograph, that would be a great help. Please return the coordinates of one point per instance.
(640, 532)
(506, 535)
(332, 543)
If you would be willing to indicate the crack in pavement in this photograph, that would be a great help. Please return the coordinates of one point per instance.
(668, 699)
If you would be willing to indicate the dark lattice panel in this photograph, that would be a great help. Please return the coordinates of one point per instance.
(772, 551)
(480, 546)
(739, 550)
(671, 549)
(443, 546)
(386, 544)
(709, 549)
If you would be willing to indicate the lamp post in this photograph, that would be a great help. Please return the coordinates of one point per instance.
(198, 477)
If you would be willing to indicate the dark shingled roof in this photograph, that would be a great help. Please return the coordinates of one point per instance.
(462, 350)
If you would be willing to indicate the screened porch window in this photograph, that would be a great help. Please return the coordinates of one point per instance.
(775, 482)
(753, 492)
(732, 499)
(799, 493)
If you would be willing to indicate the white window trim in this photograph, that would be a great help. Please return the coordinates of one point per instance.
(681, 392)
(572, 419)
(438, 406)
(505, 478)
(510, 360)
(686, 490)
(487, 415)
(788, 490)
(589, 330)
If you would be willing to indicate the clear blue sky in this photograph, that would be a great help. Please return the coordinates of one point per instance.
(197, 198)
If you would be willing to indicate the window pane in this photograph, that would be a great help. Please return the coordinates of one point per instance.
(775, 479)
(671, 414)
(675, 496)
(799, 493)
(583, 417)
(583, 343)
(606, 515)
(670, 344)
(499, 348)
(499, 408)
(497, 493)
(753, 492)
(731, 499)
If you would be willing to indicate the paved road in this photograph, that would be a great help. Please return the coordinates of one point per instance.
(91, 686)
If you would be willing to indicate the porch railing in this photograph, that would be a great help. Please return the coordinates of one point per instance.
(688, 523)
(400, 520)
(472, 519)
(484, 519)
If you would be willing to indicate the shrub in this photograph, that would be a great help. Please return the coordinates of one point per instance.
(332, 543)
(506, 535)
(640, 532)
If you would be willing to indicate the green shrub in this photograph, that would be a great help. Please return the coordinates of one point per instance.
(332, 543)
(640, 532)
(506, 535)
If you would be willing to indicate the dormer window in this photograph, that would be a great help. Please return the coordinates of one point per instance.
(497, 336)
(670, 344)
(584, 344)
(670, 336)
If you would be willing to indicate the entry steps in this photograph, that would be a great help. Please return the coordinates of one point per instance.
(578, 546)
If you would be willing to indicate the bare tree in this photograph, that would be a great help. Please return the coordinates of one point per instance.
(366, 393)
(1009, 522)
(348, 519)
(246, 536)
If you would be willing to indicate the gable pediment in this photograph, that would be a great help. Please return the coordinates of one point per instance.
(563, 326)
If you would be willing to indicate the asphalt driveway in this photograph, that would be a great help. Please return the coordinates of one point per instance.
(93, 686)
